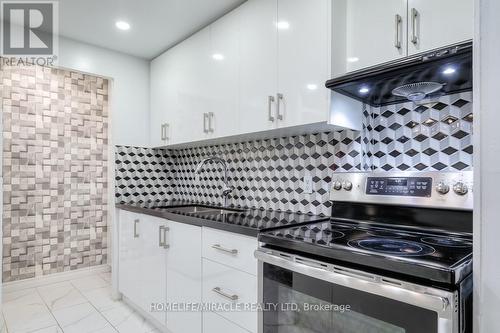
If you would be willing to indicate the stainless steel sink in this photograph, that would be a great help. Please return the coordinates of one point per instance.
(201, 209)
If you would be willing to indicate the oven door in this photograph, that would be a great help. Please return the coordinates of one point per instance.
(302, 295)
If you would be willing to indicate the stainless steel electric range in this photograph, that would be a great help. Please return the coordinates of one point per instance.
(395, 257)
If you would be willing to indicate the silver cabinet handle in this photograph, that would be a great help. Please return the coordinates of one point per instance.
(167, 127)
(165, 230)
(278, 112)
(219, 291)
(414, 18)
(161, 237)
(220, 248)
(270, 101)
(211, 122)
(205, 121)
(136, 234)
(163, 132)
(397, 39)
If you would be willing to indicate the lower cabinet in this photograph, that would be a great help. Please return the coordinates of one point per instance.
(230, 287)
(159, 264)
(162, 263)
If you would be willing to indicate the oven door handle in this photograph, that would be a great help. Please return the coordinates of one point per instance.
(428, 298)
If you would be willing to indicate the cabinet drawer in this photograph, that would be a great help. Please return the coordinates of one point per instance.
(230, 249)
(213, 323)
(221, 282)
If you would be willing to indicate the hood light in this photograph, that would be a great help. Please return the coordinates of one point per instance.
(449, 71)
(364, 90)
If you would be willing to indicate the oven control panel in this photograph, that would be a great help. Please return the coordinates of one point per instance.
(435, 189)
(402, 186)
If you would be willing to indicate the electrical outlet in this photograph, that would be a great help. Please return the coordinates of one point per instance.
(308, 183)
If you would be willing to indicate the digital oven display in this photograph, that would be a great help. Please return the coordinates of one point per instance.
(399, 186)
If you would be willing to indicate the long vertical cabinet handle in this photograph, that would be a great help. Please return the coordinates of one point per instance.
(136, 234)
(279, 115)
(205, 122)
(397, 39)
(414, 25)
(270, 101)
(211, 122)
(161, 236)
(163, 132)
(165, 230)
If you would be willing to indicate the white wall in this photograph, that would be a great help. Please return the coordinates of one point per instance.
(130, 87)
(486, 168)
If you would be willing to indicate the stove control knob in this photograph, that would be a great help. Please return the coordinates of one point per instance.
(337, 186)
(442, 188)
(460, 188)
(347, 185)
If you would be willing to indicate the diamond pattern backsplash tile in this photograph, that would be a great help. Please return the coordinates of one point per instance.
(55, 168)
(142, 174)
(269, 173)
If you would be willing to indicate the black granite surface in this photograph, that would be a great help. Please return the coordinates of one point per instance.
(245, 221)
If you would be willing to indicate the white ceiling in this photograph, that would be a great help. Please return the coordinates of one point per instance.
(156, 25)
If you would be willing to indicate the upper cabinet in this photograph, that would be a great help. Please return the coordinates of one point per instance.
(367, 33)
(260, 67)
(258, 59)
(304, 43)
(432, 24)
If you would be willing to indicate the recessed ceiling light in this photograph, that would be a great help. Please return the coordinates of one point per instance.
(449, 70)
(218, 56)
(352, 59)
(283, 25)
(312, 86)
(364, 90)
(122, 25)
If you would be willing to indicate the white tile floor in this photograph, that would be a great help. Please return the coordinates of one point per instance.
(80, 305)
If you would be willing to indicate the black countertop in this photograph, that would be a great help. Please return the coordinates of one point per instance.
(246, 222)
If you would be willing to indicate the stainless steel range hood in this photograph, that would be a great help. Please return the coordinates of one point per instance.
(425, 76)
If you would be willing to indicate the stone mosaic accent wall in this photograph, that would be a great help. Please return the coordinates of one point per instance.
(55, 140)
(269, 173)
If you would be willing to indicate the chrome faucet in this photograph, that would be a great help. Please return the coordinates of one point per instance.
(226, 190)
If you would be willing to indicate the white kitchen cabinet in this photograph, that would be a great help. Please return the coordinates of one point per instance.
(184, 276)
(129, 257)
(223, 117)
(433, 24)
(367, 33)
(142, 264)
(304, 59)
(153, 266)
(193, 67)
(164, 75)
(226, 285)
(258, 65)
(160, 262)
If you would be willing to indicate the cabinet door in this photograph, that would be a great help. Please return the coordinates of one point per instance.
(367, 33)
(224, 75)
(433, 24)
(192, 61)
(183, 276)
(153, 270)
(303, 61)
(129, 257)
(163, 96)
(258, 61)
